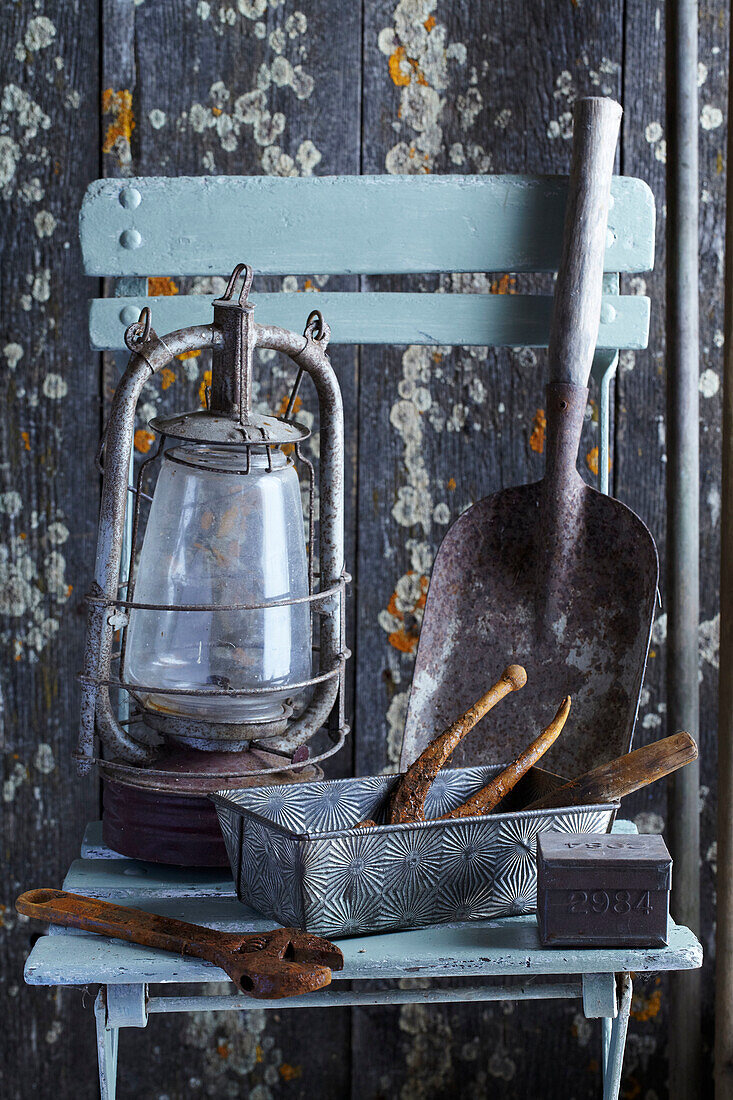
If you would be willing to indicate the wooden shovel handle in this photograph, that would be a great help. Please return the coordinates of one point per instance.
(576, 310)
(623, 775)
(408, 799)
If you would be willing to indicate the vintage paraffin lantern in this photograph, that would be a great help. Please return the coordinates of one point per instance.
(207, 635)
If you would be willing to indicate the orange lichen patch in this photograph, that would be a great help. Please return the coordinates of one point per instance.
(429, 23)
(633, 1089)
(26, 440)
(69, 590)
(188, 355)
(405, 638)
(159, 285)
(719, 164)
(259, 1056)
(143, 440)
(289, 1073)
(396, 69)
(451, 484)
(118, 104)
(223, 1050)
(505, 284)
(205, 385)
(282, 407)
(167, 378)
(216, 111)
(23, 536)
(646, 1008)
(537, 437)
(310, 285)
(591, 461)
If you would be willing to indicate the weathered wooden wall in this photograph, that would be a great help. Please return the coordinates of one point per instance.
(409, 86)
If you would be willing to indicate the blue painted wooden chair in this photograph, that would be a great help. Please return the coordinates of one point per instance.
(131, 229)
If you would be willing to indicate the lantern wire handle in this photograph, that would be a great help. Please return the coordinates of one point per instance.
(246, 283)
(314, 330)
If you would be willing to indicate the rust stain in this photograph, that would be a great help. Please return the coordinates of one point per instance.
(26, 440)
(188, 355)
(537, 437)
(400, 78)
(205, 385)
(505, 284)
(118, 104)
(167, 378)
(161, 285)
(289, 1073)
(143, 440)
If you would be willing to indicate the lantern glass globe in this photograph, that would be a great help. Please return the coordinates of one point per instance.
(223, 530)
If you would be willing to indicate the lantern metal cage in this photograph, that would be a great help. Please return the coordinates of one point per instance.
(152, 748)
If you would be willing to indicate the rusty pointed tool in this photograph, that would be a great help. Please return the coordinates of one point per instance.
(408, 800)
(282, 963)
(552, 573)
(489, 797)
(623, 776)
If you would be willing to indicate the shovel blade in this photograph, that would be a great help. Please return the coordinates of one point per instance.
(572, 601)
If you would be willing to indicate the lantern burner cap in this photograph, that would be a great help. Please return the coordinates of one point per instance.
(224, 431)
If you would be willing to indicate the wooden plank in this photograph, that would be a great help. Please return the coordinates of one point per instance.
(500, 320)
(49, 503)
(347, 225)
(502, 948)
(497, 101)
(186, 66)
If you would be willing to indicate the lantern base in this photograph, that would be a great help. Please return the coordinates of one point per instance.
(180, 826)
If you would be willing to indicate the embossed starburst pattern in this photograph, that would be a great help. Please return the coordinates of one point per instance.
(282, 804)
(330, 806)
(469, 852)
(411, 857)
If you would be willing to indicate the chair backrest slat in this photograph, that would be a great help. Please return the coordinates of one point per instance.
(347, 225)
(500, 320)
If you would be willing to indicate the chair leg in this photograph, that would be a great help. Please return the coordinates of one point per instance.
(615, 1045)
(107, 1046)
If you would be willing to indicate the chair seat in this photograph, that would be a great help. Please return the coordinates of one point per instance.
(498, 948)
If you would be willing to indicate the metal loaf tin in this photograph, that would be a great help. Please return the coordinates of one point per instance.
(297, 858)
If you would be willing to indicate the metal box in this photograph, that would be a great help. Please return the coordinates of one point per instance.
(297, 858)
(610, 891)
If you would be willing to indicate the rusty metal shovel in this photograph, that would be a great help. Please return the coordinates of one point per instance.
(552, 575)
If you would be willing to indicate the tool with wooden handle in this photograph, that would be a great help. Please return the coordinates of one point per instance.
(485, 800)
(623, 776)
(554, 571)
(408, 800)
(268, 965)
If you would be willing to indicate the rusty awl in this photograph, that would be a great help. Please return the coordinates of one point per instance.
(284, 962)
(408, 801)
